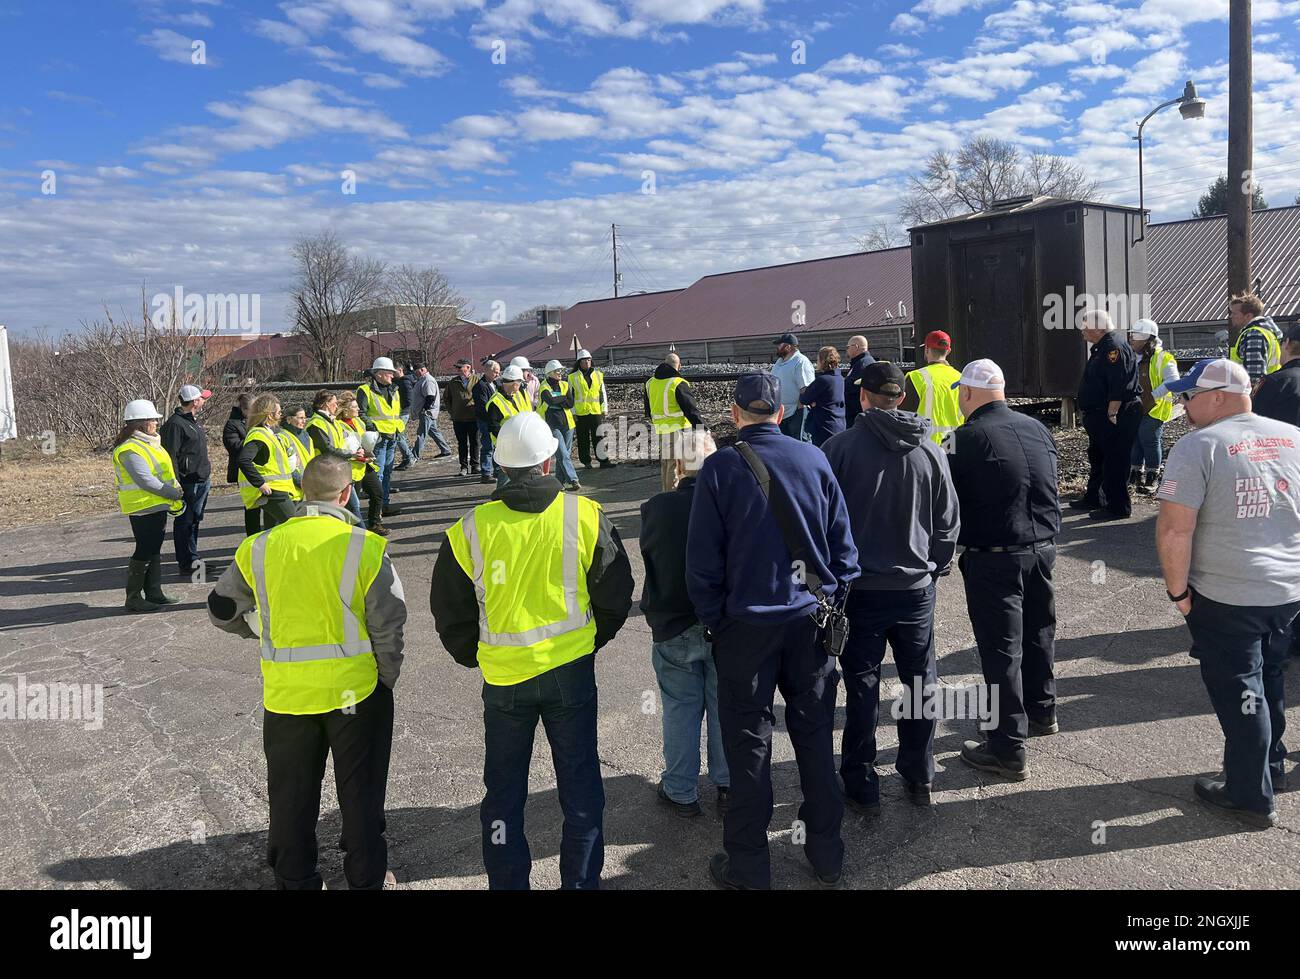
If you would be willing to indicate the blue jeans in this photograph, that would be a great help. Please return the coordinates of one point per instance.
(486, 448)
(1146, 447)
(429, 429)
(565, 700)
(385, 453)
(1243, 655)
(688, 684)
(904, 620)
(404, 445)
(185, 529)
(793, 424)
(354, 502)
(564, 470)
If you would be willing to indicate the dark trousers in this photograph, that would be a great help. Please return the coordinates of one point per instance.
(252, 521)
(793, 424)
(590, 446)
(185, 530)
(467, 443)
(374, 495)
(277, 509)
(1243, 654)
(296, 747)
(904, 620)
(148, 529)
(753, 662)
(564, 699)
(1110, 448)
(1012, 609)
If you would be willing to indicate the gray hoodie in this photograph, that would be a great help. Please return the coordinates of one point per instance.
(900, 498)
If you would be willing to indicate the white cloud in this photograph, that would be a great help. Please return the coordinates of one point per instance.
(171, 46)
(907, 24)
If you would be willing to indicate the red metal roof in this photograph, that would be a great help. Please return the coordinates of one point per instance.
(595, 322)
(362, 350)
(1188, 266)
(766, 301)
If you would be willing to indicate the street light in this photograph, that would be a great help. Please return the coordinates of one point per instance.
(1190, 106)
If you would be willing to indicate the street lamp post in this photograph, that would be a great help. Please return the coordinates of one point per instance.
(1190, 106)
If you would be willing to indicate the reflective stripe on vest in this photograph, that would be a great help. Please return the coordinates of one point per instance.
(516, 404)
(1273, 357)
(333, 430)
(587, 399)
(542, 407)
(1163, 409)
(276, 472)
(135, 500)
(386, 413)
(665, 413)
(938, 401)
(293, 449)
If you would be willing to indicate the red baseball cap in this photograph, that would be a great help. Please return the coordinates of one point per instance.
(938, 340)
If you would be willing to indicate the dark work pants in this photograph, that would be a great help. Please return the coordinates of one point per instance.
(185, 529)
(1110, 449)
(1012, 609)
(753, 662)
(149, 529)
(590, 446)
(252, 521)
(296, 747)
(564, 699)
(467, 443)
(793, 424)
(374, 495)
(904, 620)
(277, 509)
(1243, 654)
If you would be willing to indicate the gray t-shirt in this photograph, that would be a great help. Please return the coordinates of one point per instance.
(1242, 476)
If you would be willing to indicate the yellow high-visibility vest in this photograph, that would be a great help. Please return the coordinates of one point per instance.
(937, 398)
(1273, 359)
(386, 413)
(277, 471)
(587, 397)
(358, 429)
(509, 406)
(309, 577)
(541, 405)
(665, 413)
(133, 499)
(299, 455)
(1163, 409)
(530, 578)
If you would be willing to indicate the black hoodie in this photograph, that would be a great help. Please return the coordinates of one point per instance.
(684, 399)
(900, 498)
(455, 606)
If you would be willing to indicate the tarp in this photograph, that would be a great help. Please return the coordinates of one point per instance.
(8, 420)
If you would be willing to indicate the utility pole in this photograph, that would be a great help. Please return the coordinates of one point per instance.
(613, 237)
(1241, 182)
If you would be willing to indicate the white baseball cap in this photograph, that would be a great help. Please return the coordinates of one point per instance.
(191, 392)
(982, 374)
(1213, 375)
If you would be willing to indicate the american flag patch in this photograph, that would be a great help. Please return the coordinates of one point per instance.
(1168, 488)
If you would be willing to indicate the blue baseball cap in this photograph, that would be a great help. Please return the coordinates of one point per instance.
(759, 393)
(1213, 375)
(789, 338)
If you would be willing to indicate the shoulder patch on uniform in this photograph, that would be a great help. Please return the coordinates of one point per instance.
(1113, 356)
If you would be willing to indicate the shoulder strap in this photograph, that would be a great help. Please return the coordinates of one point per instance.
(780, 505)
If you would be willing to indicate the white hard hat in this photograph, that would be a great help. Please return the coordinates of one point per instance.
(524, 441)
(583, 355)
(512, 373)
(368, 442)
(521, 363)
(383, 364)
(140, 410)
(552, 365)
(351, 443)
(1144, 327)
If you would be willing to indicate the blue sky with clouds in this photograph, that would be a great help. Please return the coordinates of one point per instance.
(191, 141)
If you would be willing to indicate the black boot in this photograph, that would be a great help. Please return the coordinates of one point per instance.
(153, 584)
(136, 572)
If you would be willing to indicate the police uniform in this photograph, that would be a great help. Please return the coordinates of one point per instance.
(1111, 374)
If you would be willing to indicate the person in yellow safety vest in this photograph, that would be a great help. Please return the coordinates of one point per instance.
(365, 470)
(1156, 368)
(508, 400)
(1258, 347)
(590, 406)
(930, 392)
(380, 406)
(555, 405)
(328, 436)
(147, 490)
(265, 467)
(293, 433)
(527, 587)
(671, 409)
(323, 599)
(531, 385)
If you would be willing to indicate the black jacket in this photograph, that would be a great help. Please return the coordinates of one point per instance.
(482, 394)
(685, 400)
(1111, 374)
(664, 599)
(1003, 466)
(826, 392)
(556, 404)
(852, 392)
(232, 437)
(187, 443)
(455, 607)
(321, 442)
(405, 386)
(1279, 395)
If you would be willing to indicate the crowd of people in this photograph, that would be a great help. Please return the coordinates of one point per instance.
(810, 548)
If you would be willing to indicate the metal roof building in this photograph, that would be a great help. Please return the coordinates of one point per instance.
(595, 322)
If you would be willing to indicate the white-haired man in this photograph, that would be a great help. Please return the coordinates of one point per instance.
(1110, 399)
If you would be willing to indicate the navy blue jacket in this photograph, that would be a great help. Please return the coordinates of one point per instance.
(852, 392)
(737, 564)
(1111, 374)
(826, 392)
(664, 599)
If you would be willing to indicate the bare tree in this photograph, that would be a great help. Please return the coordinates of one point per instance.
(985, 170)
(429, 308)
(333, 286)
(882, 235)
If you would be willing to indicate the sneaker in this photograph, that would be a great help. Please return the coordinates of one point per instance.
(978, 754)
(378, 528)
(390, 511)
(394, 490)
(918, 793)
(403, 467)
(1215, 793)
(862, 808)
(1042, 728)
(441, 455)
(718, 870)
(1084, 503)
(464, 470)
(487, 479)
(829, 881)
(390, 881)
(724, 799)
(686, 810)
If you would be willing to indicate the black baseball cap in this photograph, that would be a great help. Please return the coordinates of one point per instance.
(882, 377)
(789, 338)
(759, 393)
(1292, 335)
